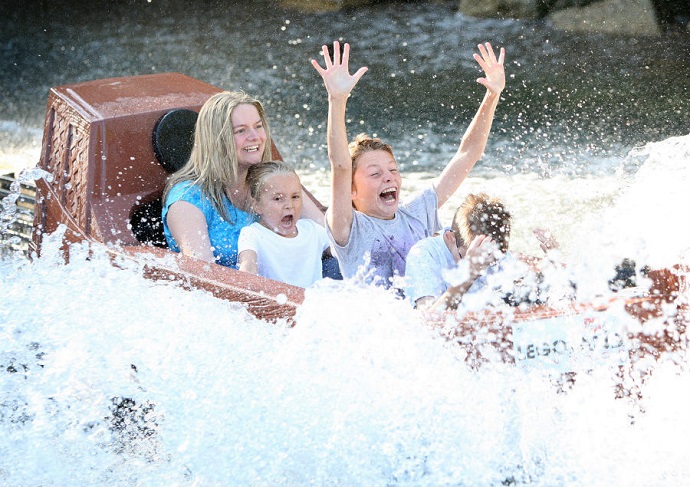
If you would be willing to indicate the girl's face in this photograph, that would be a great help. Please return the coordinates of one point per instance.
(249, 133)
(376, 184)
(280, 203)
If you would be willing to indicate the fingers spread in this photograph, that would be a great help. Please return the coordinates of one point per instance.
(360, 72)
(317, 66)
(490, 52)
(336, 53)
(326, 56)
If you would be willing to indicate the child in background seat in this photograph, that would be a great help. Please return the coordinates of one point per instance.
(479, 236)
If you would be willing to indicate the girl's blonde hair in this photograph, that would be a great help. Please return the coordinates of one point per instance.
(213, 164)
(257, 174)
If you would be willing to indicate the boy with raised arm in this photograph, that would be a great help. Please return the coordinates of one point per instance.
(365, 221)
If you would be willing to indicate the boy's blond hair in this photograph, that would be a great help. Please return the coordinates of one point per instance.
(481, 214)
(362, 144)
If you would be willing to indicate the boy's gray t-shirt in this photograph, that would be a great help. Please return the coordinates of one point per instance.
(387, 242)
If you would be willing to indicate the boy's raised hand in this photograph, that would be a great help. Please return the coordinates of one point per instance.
(481, 253)
(494, 74)
(547, 241)
(339, 82)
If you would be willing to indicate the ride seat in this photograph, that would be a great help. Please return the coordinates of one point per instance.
(173, 139)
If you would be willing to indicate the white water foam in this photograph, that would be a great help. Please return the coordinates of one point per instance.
(110, 379)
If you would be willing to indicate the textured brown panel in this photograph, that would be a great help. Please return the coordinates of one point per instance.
(68, 159)
(265, 298)
(98, 146)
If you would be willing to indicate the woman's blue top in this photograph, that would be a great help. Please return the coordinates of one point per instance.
(222, 234)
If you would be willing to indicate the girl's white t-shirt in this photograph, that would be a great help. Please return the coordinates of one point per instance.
(296, 260)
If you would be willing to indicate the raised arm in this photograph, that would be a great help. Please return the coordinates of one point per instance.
(339, 83)
(474, 141)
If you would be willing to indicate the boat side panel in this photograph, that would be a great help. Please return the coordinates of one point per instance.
(264, 298)
(65, 145)
(124, 163)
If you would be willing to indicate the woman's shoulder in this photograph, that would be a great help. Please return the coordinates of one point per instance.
(192, 193)
(185, 190)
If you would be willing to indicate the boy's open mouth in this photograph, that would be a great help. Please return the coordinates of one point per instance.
(389, 195)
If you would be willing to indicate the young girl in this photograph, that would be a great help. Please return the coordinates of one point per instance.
(280, 245)
(365, 220)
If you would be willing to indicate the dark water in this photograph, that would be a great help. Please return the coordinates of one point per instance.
(573, 102)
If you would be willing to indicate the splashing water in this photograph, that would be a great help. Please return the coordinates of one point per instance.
(107, 378)
(10, 241)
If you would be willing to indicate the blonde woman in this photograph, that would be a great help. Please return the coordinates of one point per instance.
(207, 202)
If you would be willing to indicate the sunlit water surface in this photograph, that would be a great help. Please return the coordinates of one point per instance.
(110, 379)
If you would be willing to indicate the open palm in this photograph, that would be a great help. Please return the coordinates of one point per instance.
(494, 73)
(336, 76)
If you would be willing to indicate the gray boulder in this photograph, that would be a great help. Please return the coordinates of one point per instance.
(624, 17)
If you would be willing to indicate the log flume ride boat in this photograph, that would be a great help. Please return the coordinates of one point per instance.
(110, 144)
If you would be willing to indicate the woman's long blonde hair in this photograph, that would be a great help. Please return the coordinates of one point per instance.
(213, 164)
